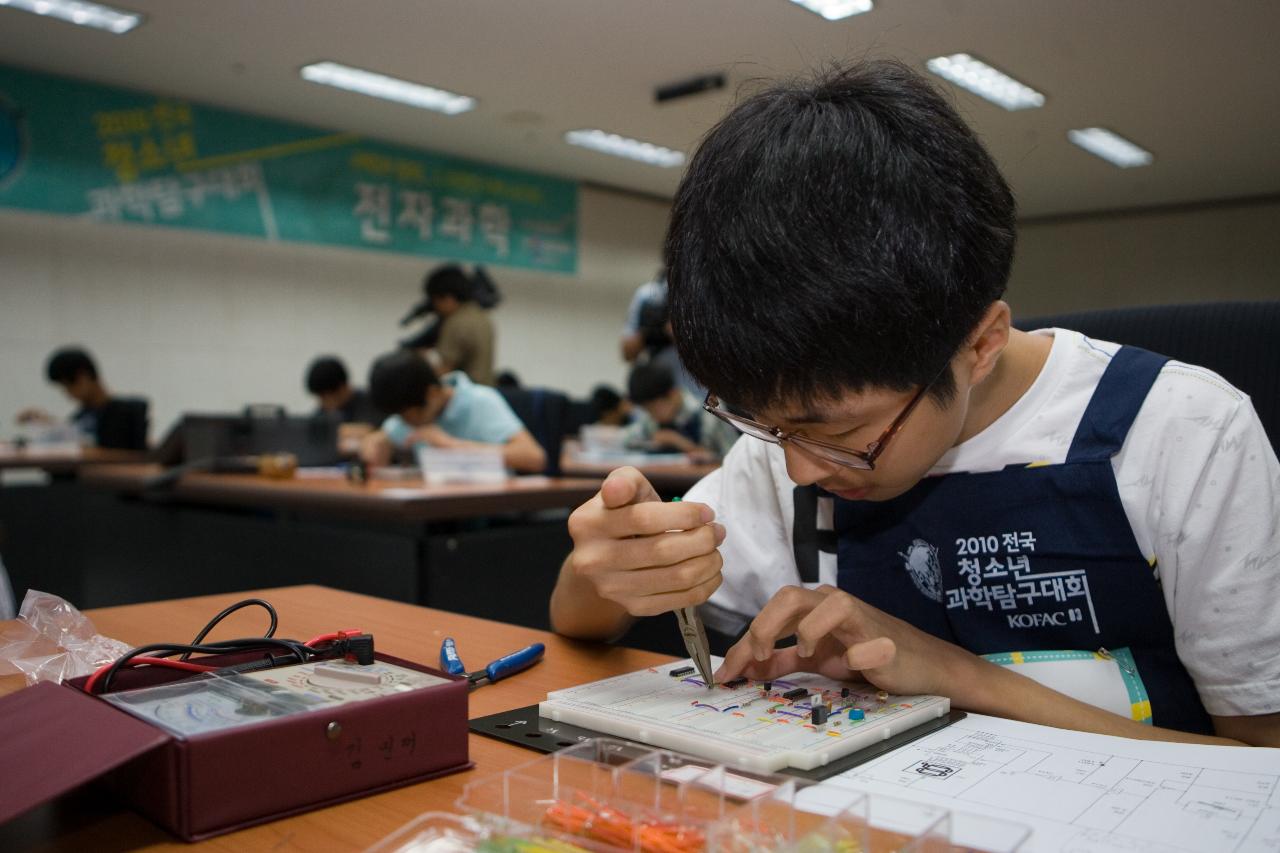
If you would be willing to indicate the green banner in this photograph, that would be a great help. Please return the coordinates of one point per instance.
(108, 154)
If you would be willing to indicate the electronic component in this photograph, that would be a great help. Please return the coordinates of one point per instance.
(818, 716)
(681, 672)
(796, 695)
(206, 704)
(856, 714)
(333, 674)
(736, 683)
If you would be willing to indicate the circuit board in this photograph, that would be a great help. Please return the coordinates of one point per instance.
(202, 705)
(802, 721)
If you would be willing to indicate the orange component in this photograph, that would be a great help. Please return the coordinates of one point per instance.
(602, 823)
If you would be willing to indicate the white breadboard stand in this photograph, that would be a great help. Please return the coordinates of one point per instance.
(742, 723)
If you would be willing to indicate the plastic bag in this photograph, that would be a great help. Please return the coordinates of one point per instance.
(52, 641)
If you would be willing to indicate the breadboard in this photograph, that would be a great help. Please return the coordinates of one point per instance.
(742, 723)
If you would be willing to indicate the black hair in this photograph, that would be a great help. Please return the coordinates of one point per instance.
(67, 363)
(648, 382)
(449, 280)
(835, 233)
(604, 400)
(399, 380)
(506, 379)
(327, 373)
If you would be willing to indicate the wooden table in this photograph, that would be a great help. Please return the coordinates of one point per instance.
(64, 461)
(395, 500)
(82, 821)
(668, 478)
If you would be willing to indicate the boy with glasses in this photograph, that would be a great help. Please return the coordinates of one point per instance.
(1038, 525)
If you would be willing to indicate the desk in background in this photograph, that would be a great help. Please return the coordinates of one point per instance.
(670, 479)
(64, 460)
(41, 506)
(85, 821)
(491, 550)
(396, 500)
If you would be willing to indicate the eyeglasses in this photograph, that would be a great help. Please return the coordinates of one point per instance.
(863, 460)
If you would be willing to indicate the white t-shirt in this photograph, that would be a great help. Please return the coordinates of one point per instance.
(1197, 477)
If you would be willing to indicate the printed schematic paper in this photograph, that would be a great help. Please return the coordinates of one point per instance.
(1080, 793)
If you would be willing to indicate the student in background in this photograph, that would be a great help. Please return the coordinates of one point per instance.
(671, 419)
(987, 496)
(466, 333)
(447, 412)
(106, 421)
(328, 382)
(609, 408)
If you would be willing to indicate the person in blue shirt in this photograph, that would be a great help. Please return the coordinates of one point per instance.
(447, 412)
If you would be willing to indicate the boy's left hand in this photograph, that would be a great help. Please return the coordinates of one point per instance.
(843, 638)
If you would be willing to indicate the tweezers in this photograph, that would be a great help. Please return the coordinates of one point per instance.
(695, 640)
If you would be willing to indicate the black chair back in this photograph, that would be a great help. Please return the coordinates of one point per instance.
(123, 423)
(543, 413)
(1234, 339)
(579, 413)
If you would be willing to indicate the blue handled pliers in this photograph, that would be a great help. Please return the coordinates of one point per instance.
(497, 670)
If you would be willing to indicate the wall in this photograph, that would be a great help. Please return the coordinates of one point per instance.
(1194, 254)
(205, 322)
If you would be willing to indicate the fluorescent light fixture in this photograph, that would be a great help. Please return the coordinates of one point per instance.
(85, 14)
(389, 88)
(621, 146)
(983, 80)
(1111, 147)
(834, 10)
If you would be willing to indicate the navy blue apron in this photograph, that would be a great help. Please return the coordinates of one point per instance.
(1031, 557)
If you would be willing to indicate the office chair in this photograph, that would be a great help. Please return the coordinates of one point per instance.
(123, 424)
(543, 413)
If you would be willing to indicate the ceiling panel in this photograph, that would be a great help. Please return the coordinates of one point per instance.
(1192, 82)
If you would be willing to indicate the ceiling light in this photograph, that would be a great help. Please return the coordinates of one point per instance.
(621, 146)
(1110, 147)
(389, 88)
(983, 80)
(834, 10)
(85, 14)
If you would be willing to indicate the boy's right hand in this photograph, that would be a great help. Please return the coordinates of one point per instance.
(648, 556)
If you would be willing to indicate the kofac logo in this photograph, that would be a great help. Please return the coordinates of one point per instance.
(921, 562)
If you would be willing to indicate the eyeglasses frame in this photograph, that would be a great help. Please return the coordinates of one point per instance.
(867, 457)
